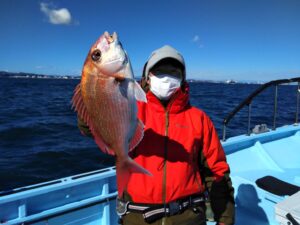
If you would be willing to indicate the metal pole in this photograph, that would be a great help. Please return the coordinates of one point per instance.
(249, 119)
(275, 107)
(224, 132)
(298, 96)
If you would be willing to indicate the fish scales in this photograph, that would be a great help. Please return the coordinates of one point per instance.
(114, 127)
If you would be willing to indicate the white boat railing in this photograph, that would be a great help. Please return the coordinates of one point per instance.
(248, 102)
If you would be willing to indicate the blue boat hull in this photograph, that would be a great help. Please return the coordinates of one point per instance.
(90, 198)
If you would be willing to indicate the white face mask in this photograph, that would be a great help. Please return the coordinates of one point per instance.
(164, 85)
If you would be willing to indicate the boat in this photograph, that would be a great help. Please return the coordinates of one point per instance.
(265, 171)
(230, 81)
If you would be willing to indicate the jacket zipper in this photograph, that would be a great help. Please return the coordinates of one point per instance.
(165, 159)
(164, 188)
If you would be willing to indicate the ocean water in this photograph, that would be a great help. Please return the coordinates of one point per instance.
(40, 141)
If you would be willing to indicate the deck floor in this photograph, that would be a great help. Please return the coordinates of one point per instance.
(279, 158)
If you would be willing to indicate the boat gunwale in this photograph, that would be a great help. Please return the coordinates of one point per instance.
(66, 182)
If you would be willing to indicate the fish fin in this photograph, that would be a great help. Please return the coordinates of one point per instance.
(138, 135)
(78, 104)
(139, 93)
(124, 170)
(104, 148)
(80, 108)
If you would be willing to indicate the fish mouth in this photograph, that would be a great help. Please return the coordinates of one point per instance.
(114, 58)
(110, 38)
(120, 55)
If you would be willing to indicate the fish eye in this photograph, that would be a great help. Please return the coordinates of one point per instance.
(96, 55)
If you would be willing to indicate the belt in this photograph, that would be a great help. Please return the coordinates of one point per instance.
(153, 212)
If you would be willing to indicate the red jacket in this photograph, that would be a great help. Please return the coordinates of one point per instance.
(173, 139)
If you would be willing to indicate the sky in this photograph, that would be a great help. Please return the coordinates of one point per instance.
(219, 39)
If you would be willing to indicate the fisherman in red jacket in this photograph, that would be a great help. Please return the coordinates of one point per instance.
(181, 149)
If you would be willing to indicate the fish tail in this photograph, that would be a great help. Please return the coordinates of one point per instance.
(124, 170)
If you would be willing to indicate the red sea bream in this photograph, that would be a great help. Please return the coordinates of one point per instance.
(106, 100)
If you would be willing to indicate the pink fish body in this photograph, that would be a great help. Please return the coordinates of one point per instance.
(106, 100)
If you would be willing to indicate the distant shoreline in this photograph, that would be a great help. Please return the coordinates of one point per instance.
(4, 74)
(22, 75)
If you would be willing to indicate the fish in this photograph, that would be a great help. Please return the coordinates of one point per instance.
(105, 99)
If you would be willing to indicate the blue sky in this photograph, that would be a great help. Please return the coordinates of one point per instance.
(219, 39)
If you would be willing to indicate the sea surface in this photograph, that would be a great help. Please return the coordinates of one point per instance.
(40, 141)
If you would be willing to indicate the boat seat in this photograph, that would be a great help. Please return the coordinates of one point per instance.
(276, 186)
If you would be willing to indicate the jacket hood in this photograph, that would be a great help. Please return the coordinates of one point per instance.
(160, 54)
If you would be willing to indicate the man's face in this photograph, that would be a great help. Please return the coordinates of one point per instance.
(164, 80)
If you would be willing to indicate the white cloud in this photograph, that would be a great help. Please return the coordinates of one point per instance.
(39, 67)
(56, 16)
(197, 41)
(196, 38)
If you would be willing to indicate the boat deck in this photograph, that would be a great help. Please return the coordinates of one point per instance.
(274, 153)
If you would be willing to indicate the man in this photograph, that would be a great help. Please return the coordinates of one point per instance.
(180, 148)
